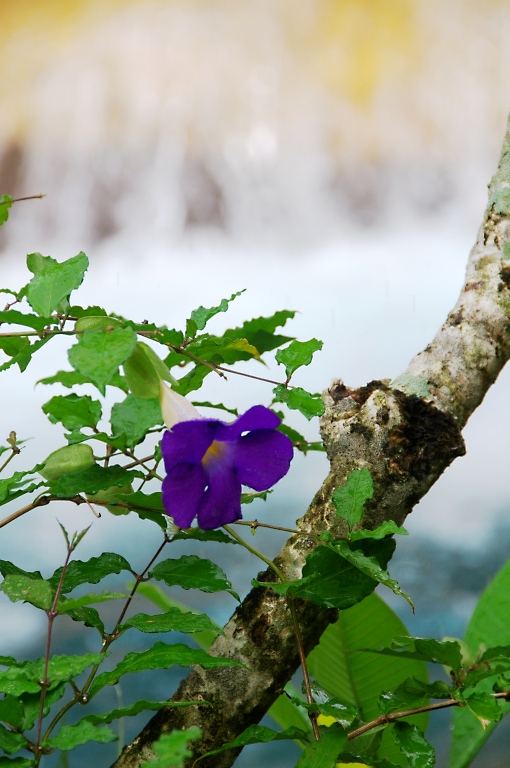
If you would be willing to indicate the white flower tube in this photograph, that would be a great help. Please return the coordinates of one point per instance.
(175, 407)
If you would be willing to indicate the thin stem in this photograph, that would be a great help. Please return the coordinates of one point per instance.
(254, 524)
(297, 632)
(52, 613)
(40, 502)
(20, 199)
(9, 458)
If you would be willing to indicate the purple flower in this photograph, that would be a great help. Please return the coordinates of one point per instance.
(207, 462)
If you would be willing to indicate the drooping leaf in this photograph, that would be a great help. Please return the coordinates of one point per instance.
(487, 628)
(414, 746)
(297, 354)
(260, 734)
(160, 656)
(17, 485)
(92, 480)
(98, 354)
(88, 616)
(133, 417)
(90, 571)
(71, 736)
(55, 281)
(24, 355)
(192, 572)
(331, 581)
(37, 592)
(172, 748)
(73, 411)
(446, 652)
(298, 399)
(349, 500)
(485, 707)
(174, 620)
(201, 316)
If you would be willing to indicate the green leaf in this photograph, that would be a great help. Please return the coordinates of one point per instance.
(12, 346)
(414, 746)
(6, 202)
(389, 527)
(6, 569)
(193, 380)
(260, 332)
(174, 620)
(192, 572)
(259, 734)
(350, 499)
(488, 627)
(143, 373)
(160, 656)
(447, 652)
(11, 742)
(16, 762)
(171, 749)
(71, 736)
(70, 379)
(90, 571)
(98, 354)
(298, 399)
(92, 480)
(135, 709)
(15, 682)
(68, 605)
(18, 485)
(73, 411)
(484, 706)
(63, 668)
(148, 506)
(156, 595)
(324, 753)
(31, 703)
(201, 316)
(297, 354)
(23, 357)
(197, 534)
(13, 317)
(11, 712)
(218, 406)
(298, 441)
(413, 693)
(329, 580)
(369, 566)
(54, 281)
(37, 592)
(133, 417)
(356, 677)
(88, 616)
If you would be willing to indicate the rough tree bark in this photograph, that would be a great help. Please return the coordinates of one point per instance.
(406, 441)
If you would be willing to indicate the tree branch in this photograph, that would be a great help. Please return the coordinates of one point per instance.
(405, 441)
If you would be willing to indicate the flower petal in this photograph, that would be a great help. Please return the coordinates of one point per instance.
(188, 442)
(183, 489)
(221, 503)
(258, 417)
(262, 457)
(174, 407)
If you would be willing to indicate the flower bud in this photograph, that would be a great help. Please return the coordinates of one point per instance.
(175, 407)
(67, 460)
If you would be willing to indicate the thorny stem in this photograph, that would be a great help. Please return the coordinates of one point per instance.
(52, 613)
(383, 719)
(297, 632)
(81, 696)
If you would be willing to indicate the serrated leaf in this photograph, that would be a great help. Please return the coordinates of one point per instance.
(90, 571)
(133, 417)
(331, 581)
(297, 354)
(298, 399)
(370, 567)
(73, 411)
(23, 357)
(18, 484)
(160, 656)
(349, 500)
(414, 746)
(192, 572)
(11, 742)
(71, 736)
(201, 316)
(174, 620)
(92, 480)
(260, 734)
(98, 354)
(37, 592)
(261, 331)
(54, 282)
(324, 753)
(171, 748)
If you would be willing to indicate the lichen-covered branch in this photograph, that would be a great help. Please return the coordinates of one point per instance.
(406, 435)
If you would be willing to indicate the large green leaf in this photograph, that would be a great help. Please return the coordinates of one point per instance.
(92, 480)
(71, 736)
(53, 281)
(298, 399)
(349, 500)
(98, 354)
(297, 354)
(160, 656)
(35, 591)
(324, 752)
(173, 620)
(90, 571)
(73, 411)
(192, 572)
(489, 626)
(358, 678)
(133, 417)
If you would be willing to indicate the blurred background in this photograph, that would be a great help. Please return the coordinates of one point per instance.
(329, 156)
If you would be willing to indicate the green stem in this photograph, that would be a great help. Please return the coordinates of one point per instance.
(254, 551)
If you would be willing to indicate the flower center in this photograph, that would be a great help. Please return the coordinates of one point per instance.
(215, 452)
